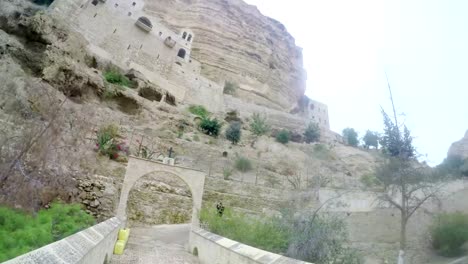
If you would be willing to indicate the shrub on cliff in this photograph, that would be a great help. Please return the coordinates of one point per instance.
(233, 133)
(312, 133)
(283, 136)
(198, 110)
(115, 77)
(243, 164)
(210, 126)
(108, 142)
(259, 125)
(449, 232)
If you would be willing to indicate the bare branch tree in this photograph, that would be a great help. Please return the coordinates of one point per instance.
(407, 185)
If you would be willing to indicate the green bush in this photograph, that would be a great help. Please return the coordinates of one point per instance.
(210, 127)
(350, 136)
(449, 232)
(108, 143)
(312, 133)
(115, 77)
(264, 233)
(230, 87)
(199, 110)
(259, 125)
(369, 180)
(233, 133)
(319, 239)
(227, 173)
(21, 232)
(283, 136)
(243, 164)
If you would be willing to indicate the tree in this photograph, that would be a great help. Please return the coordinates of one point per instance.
(371, 139)
(351, 136)
(312, 133)
(233, 133)
(283, 136)
(407, 185)
(210, 126)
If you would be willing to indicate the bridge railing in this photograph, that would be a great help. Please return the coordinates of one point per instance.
(92, 245)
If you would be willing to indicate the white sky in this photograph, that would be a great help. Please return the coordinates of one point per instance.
(422, 45)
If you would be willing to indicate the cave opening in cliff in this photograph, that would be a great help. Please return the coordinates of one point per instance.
(181, 53)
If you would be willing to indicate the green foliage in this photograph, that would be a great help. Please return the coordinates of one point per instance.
(233, 133)
(230, 87)
(259, 125)
(455, 166)
(108, 143)
(22, 232)
(369, 180)
(264, 233)
(227, 173)
(312, 133)
(115, 77)
(371, 139)
(449, 232)
(350, 136)
(243, 164)
(283, 136)
(319, 239)
(321, 151)
(210, 127)
(394, 142)
(199, 110)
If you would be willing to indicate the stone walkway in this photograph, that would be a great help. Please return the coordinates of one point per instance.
(165, 244)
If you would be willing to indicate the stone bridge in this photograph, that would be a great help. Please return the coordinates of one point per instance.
(96, 244)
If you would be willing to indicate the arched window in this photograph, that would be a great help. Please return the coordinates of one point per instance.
(189, 38)
(181, 53)
(145, 21)
(184, 35)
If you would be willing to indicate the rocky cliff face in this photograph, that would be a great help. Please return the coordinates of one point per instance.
(460, 148)
(235, 42)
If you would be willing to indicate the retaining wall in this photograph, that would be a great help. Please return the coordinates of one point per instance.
(93, 245)
(214, 249)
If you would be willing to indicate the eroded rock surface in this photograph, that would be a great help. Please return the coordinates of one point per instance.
(460, 148)
(235, 42)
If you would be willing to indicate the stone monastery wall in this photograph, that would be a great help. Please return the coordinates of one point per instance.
(124, 33)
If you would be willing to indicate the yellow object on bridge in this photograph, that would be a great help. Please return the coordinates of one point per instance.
(124, 234)
(122, 241)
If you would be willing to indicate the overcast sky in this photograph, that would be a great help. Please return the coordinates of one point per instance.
(422, 45)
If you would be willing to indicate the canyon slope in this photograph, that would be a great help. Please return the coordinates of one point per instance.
(235, 42)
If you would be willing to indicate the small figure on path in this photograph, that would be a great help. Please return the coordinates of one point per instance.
(170, 152)
(220, 209)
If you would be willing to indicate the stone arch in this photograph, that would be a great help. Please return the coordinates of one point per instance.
(137, 168)
(181, 53)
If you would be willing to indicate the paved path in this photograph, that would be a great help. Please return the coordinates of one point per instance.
(165, 244)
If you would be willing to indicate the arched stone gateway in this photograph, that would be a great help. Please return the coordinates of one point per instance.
(138, 168)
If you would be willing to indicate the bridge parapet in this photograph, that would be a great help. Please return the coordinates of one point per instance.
(212, 248)
(92, 245)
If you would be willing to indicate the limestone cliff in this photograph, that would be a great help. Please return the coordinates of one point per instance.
(235, 42)
(460, 148)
